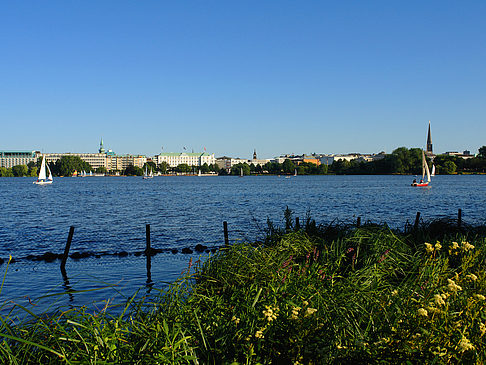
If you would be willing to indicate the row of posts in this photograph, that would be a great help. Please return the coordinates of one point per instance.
(147, 243)
(225, 230)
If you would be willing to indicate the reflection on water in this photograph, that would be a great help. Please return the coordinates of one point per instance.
(110, 215)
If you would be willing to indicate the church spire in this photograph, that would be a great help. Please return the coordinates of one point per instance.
(102, 149)
(254, 154)
(429, 142)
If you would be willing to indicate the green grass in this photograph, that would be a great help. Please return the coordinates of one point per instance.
(306, 295)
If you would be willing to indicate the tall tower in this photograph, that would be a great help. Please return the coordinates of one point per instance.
(429, 142)
(102, 149)
(254, 154)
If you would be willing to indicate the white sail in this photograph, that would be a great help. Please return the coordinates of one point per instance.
(151, 174)
(295, 172)
(432, 173)
(427, 171)
(241, 172)
(425, 168)
(42, 172)
(50, 173)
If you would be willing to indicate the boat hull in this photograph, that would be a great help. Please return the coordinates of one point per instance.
(43, 182)
(423, 184)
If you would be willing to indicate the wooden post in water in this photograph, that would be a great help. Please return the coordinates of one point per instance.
(459, 218)
(66, 249)
(297, 223)
(225, 229)
(147, 239)
(358, 222)
(417, 221)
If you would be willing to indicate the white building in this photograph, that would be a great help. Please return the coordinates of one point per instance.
(13, 158)
(191, 159)
(94, 159)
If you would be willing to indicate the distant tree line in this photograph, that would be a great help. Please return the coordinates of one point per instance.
(401, 161)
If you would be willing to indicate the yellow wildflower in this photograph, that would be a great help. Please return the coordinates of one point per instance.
(439, 300)
(428, 247)
(452, 286)
(466, 246)
(472, 277)
(259, 334)
(482, 328)
(465, 345)
(395, 292)
(305, 303)
(270, 313)
(438, 246)
(422, 312)
(480, 296)
(295, 312)
(310, 311)
(455, 245)
(235, 320)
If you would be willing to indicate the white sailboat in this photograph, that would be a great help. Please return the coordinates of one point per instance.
(425, 172)
(42, 179)
(199, 173)
(148, 176)
(241, 172)
(295, 172)
(432, 173)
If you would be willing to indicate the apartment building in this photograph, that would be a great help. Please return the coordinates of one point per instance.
(191, 159)
(13, 158)
(94, 159)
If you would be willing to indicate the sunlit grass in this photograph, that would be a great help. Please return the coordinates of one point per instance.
(315, 294)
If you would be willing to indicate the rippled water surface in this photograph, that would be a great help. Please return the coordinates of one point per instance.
(110, 214)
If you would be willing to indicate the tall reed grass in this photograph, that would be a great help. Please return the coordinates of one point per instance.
(306, 295)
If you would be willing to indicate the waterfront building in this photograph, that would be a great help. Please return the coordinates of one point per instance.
(119, 163)
(191, 159)
(465, 154)
(13, 158)
(95, 160)
(304, 158)
(227, 163)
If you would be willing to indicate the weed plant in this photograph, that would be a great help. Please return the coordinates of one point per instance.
(305, 295)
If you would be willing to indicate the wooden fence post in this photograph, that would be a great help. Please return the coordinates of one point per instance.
(147, 239)
(225, 229)
(417, 221)
(66, 249)
(459, 218)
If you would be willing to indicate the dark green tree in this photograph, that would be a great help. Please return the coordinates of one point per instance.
(482, 152)
(132, 171)
(235, 170)
(66, 166)
(288, 166)
(449, 168)
(183, 167)
(205, 169)
(163, 167)
(20, 170)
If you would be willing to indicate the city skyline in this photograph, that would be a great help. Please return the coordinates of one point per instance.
(280, 77)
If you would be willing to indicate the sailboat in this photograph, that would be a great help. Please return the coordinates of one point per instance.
(432, 173)
(241, 172)
(42, 180)
(199, 173)
(425, 171)
(148, 176)
(295, 172)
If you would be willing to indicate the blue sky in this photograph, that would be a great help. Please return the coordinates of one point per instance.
(233, 76)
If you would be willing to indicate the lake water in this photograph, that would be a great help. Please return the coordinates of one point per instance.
(110, 213)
